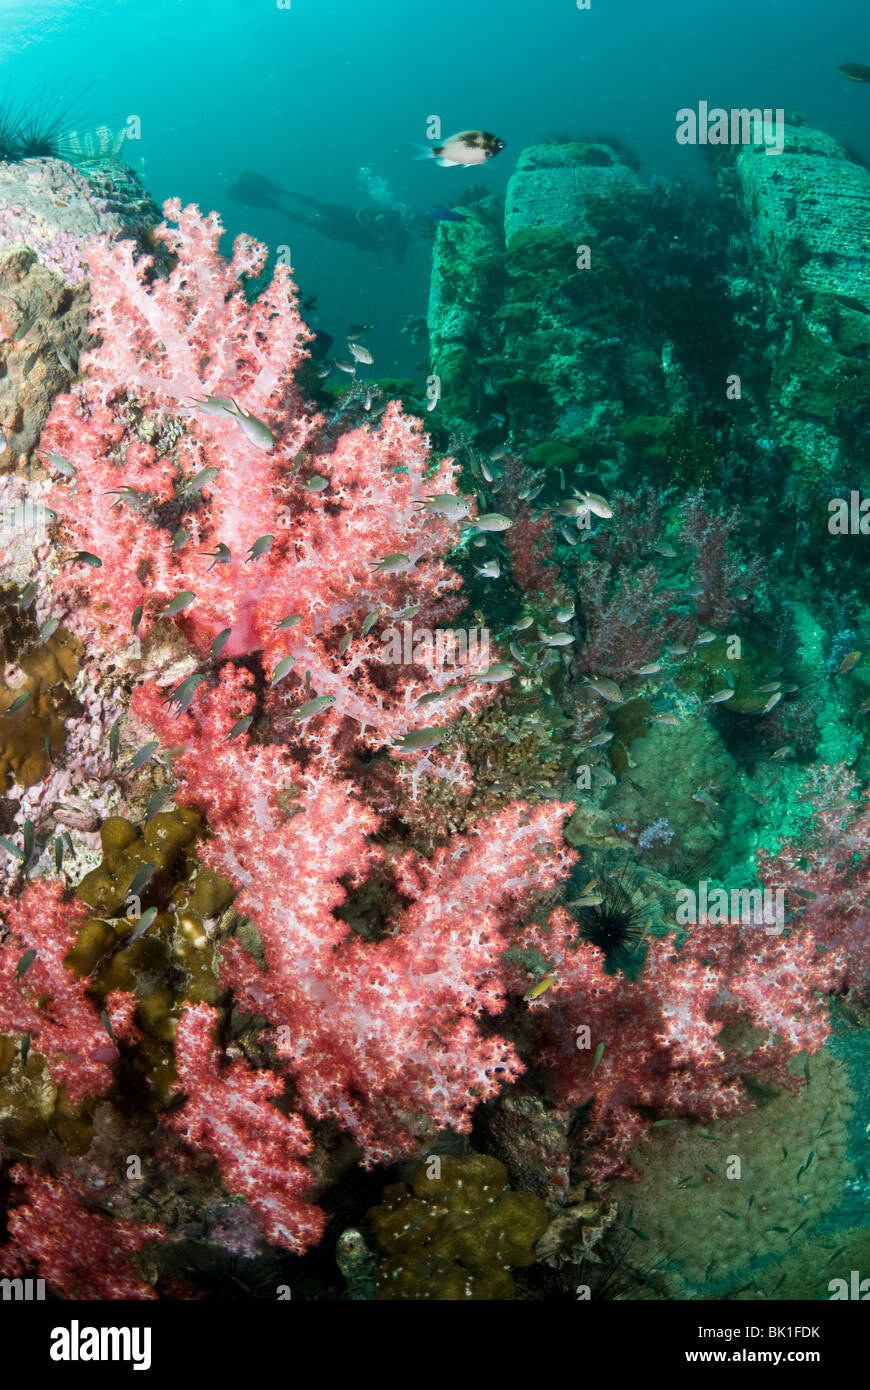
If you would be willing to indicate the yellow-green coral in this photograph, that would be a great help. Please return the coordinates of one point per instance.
(174, 961)
(38, 724)
(456, 1232)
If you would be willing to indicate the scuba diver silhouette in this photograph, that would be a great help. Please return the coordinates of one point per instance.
(368, 229)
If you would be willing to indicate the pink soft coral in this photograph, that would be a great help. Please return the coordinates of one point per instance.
(228, 1114)
(381, 1034)
(179, 510)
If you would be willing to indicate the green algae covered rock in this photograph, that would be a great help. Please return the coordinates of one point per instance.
(552, 454)
(464, 292)
(809, 211)
(569, 188)
(808, 216)
(526, 325)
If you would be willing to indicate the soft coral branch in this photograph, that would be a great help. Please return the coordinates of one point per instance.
(658, 1046)
(228, 1114)
(46, 1000)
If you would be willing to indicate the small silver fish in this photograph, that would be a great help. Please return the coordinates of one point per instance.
(221, 556)
(604, 776)
(445, 694)
(564, 613)
(392, 564)
(361, 353)
(769, 688)
(24, 328)
(606, 688)
(452, 506)
(571, 537)
(774, 700)
(257, 431)
(212, 405)
(650, 669)
(665, 549)
(678, 649)
(178, 604)
(419, 739)
(491, 570)
(849, 660)
(666, 719)
(61, 464)
(720, 695)
(522, 624)
(347, 367)
(599, 506)
(490, 521)
(556, 639)
(497, 673)
(312, 707)
(200, 479)
(284, 667)
(599, 740)
(704, 637)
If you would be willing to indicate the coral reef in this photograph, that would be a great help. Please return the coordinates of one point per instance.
(294, 888)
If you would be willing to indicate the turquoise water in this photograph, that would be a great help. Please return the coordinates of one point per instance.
(311, 94)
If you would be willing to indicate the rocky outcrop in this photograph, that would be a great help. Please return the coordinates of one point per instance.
(52, 208)
(48, 211)
(808, 216)
(518, 316)
(465, 291)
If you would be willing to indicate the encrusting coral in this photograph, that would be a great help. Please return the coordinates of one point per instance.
(456, 1232)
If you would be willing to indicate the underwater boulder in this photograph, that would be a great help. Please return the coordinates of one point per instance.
(567, 187)
(807, 212)
(52, 208)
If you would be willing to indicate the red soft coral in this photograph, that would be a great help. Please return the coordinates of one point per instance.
(228, 1114)
(45, 999)
(656, 1047)
(80, 1254)
(824, 875)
